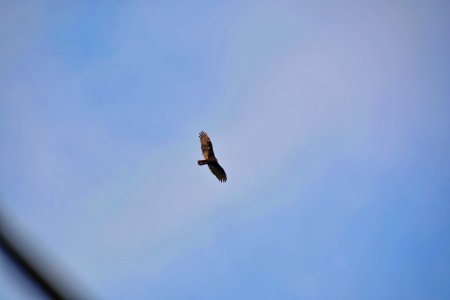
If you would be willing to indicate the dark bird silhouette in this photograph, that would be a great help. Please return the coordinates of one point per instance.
(209, 158)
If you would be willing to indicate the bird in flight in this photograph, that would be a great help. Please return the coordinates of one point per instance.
(209, 158)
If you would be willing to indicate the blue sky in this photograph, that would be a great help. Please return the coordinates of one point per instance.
(332, 120)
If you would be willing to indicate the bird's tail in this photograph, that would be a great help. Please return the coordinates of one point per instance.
(202, 162)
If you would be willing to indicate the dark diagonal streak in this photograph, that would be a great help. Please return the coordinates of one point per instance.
(24, 264)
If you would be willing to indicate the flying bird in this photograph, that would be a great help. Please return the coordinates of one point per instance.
(209, 158)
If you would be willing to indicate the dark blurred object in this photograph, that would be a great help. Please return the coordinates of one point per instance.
(31, 271)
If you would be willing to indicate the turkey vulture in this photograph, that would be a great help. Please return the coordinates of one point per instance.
(209, 158)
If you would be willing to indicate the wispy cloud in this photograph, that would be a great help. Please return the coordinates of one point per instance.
(102, 140)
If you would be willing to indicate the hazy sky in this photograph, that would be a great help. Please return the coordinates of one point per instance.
(331, 118)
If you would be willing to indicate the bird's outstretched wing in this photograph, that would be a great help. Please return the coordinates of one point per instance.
(207, 148)
(217, 170)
